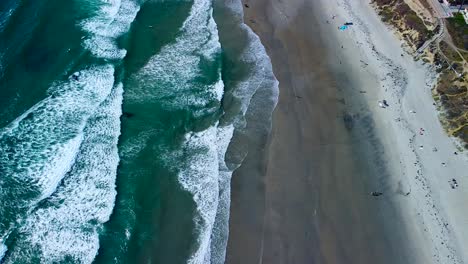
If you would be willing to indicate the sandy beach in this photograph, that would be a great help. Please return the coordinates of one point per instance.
(332, 145)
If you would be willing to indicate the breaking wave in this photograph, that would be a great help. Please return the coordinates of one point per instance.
(112, 20)
(64, 227)
(39, 147)
(61, 156)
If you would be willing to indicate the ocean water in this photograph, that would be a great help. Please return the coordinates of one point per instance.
(121, 122)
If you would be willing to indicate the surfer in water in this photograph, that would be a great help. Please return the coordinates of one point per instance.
(76, 76)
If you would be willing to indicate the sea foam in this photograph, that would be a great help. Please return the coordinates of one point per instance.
(220, 230)
(200, 175)
(172, 78)
(258, 94)
(3, 250)
(39, 147)
(6, 13)
(176, 67)
(113, 18)
(65, 226)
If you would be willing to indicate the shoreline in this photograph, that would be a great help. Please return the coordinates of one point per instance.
(317, 184)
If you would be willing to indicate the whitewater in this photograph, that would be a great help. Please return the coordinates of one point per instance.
(61, 158)
(92, 169)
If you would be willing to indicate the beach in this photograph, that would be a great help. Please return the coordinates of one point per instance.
(170, 131)
(114, 133)
(332, 145)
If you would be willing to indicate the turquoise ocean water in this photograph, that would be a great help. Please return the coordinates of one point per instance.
(121, 122)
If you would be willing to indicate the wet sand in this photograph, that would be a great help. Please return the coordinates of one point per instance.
(330, 146)
(317, 206)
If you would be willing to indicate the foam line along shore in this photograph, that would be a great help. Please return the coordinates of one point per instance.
(185, 103)
(49, 153)
(332, 147)
(121, 124)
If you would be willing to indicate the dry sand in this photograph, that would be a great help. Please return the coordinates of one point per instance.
(421, 156)
(331, 145)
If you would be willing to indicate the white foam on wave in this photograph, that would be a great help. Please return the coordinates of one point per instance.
(175, 71)
(176, 66)
(219, 90)
(3, 249)
(200, 176)
(104, 47)
(220, 229)
(254, 54)
(40, 146)
(4, 18)
(261, 80)
(113, 18)
(65, 227)
(5, 15)
(133, 146)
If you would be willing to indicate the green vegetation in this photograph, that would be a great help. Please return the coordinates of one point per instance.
(451, 91)
(386, 14)
(453, 95)
(449, 52)
(458, 30)
(397, 11)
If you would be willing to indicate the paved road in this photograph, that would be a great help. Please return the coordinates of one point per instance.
(435, 37)
(441, 10)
